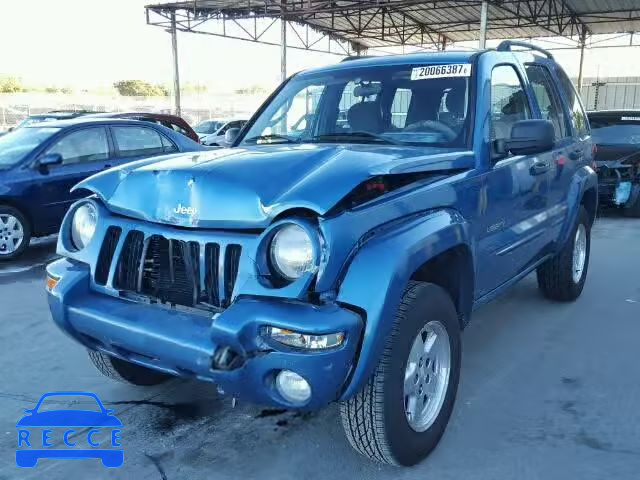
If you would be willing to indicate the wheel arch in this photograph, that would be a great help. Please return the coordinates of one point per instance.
(377, 277)
(589, 201)
(452, 270)
(583, 191)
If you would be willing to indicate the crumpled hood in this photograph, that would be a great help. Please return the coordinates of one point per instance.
(248, 187)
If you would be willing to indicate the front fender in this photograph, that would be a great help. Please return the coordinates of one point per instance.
(380, 271)
(583, 180)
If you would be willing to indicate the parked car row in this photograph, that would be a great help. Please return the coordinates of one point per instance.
(212, 132)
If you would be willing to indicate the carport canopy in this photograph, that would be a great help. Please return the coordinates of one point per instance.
(350, 27)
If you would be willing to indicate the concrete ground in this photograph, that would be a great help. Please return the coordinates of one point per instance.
(548, 391)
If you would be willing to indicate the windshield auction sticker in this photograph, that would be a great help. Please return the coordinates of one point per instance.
(441, 71)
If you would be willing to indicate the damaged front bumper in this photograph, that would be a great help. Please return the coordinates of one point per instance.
(228, 349)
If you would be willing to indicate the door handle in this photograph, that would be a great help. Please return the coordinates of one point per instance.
(539, 168)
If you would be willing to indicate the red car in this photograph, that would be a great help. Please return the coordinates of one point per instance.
(170, 121)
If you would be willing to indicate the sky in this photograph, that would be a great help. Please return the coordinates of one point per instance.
(93, 43)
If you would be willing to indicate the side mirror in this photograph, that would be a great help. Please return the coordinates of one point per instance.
(529, 137)
(47, 160)
(231, 135)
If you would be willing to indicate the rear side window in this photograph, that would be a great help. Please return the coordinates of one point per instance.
(547, 98)
(578, 116)
(509, 103)
(140, 141)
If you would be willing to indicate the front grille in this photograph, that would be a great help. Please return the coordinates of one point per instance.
(177, 272)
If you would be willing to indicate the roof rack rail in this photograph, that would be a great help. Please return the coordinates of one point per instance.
(506, 46)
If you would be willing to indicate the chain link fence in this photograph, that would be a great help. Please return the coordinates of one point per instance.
(15, 107)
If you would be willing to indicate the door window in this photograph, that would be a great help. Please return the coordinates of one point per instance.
(140, 141)
(547, 98)
(509, 102)
(82, 146)
(578, 117)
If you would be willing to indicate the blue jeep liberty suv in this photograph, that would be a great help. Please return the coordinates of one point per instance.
(335, 252)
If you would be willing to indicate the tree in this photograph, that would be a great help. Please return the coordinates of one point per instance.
(140, 88)
(10, 85)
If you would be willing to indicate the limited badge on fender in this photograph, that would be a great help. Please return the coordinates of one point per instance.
(441, 71)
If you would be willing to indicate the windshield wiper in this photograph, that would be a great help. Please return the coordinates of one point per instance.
(365, 137)
(272, 138)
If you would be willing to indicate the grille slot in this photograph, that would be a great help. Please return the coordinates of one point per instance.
(126, 277)
(212, 261)
(171, 271)
(105, 257)
(231, 265)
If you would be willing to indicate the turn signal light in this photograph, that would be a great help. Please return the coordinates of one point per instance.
(51, 282)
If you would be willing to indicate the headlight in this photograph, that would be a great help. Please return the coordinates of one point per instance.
(291, 252)
(83, 225)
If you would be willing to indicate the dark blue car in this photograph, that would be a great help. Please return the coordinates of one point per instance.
(40, 163)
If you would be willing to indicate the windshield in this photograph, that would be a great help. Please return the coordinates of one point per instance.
(402, 104)
(615, 131)
(208, 127)
(16, 145)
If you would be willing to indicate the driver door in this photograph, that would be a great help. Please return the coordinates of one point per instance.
(84, 152)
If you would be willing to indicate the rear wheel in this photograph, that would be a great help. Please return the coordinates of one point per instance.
(402, 411)
(562, 277)
(124, 371)
(15, 233)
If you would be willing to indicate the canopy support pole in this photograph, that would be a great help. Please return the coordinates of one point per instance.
(484, 13)
(283, 47)
(583, 41)
(176, 71)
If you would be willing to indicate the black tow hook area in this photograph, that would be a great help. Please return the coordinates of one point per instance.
(225, 358)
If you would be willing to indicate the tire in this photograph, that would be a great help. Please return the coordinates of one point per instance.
(374, 420)
(13, 221)
(556, 276)
(126, 372)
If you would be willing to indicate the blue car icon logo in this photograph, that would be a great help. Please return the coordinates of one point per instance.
(46, 432)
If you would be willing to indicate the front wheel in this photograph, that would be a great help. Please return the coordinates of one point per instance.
(562, 277)
(15, 233)
(401, 413)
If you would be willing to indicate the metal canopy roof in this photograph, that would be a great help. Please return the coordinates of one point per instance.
(383, 23)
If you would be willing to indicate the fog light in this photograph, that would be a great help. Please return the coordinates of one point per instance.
(293, 387)
(303, 340)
